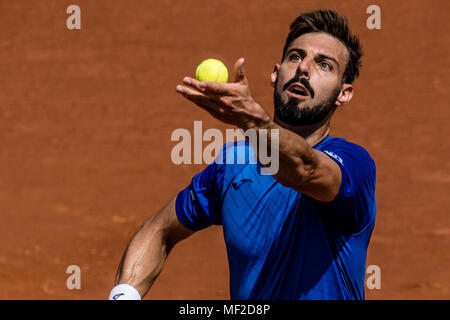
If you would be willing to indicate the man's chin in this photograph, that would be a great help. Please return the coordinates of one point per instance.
(306, 103)
(300, 105)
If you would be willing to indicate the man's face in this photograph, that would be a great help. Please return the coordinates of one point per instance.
(307, 84)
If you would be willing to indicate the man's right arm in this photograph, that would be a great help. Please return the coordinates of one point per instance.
(147, 251)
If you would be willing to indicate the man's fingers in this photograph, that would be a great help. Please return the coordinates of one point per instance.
(217, 88)
(214, 89)
(201, 99)
(239, 71)
(194, 83)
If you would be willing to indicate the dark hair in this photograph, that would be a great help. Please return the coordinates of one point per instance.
(330, 22)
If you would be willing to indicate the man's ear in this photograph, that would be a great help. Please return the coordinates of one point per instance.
(274, 75)
(346, 95)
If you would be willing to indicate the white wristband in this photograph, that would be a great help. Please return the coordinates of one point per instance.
(124, 292)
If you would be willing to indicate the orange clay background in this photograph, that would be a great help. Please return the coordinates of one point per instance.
(86, 118)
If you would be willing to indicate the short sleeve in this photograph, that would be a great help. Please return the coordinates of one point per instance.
(198, 205)
(355, 203)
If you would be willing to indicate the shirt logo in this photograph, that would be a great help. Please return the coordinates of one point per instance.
(334, 155)
(116, 296)
(191, 192)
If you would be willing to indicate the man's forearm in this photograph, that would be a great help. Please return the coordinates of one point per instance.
(296, 157)
(144, 257)
(147, 251)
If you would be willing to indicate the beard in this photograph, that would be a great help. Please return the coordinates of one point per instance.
(291, 114)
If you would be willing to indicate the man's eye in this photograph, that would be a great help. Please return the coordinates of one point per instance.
(295, 57)
(325, 66)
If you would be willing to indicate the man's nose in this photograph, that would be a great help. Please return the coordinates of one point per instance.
(303, 69)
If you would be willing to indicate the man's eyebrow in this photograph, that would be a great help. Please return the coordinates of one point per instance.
(299, 50)
(322, 56)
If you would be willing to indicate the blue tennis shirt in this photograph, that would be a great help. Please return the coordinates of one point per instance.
(282, 244)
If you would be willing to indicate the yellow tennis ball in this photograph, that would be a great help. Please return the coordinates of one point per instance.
(212, 70)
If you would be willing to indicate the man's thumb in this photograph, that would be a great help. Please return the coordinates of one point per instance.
(239, 71)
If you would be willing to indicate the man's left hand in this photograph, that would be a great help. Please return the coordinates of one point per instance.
(231, 103)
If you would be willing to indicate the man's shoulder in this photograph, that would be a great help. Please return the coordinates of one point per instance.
(336, 147)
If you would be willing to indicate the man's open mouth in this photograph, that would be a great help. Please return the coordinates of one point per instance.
(298, 90)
